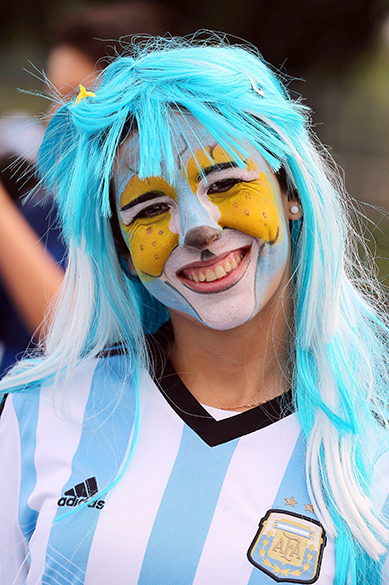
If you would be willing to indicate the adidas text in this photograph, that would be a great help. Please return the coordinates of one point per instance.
(74, 501)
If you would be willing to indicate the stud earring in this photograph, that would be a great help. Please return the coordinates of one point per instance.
(294, 209)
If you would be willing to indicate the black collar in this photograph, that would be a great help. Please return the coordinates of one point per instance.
(212, 432)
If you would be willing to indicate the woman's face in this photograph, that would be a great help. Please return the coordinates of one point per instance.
(215, 243)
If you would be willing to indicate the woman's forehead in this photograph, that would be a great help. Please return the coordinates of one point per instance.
(187, 135)
(194, 150)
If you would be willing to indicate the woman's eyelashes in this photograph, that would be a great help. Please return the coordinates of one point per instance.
(152, 211)
(130, 213)
(223, 185)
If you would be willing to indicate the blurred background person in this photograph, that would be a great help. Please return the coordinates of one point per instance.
(32, 255)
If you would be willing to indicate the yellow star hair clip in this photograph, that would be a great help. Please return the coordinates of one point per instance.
(83, 94)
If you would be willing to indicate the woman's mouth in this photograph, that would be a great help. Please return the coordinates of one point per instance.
(216, 274)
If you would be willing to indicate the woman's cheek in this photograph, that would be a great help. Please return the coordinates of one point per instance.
(150, 245)
(252, 209)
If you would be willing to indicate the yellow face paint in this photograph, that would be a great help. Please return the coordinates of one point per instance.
(149, 239)
(203, 159)
(250, 207)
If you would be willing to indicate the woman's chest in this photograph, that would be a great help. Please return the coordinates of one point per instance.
(184, 512)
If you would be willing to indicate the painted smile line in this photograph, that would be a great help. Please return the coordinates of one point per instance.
(216, 276)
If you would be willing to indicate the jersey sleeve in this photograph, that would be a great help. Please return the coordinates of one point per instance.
(13, 544)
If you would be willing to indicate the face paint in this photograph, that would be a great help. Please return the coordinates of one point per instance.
(148, 216)
(214, 244)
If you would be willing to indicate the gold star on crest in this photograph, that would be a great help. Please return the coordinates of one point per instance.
(83, 94)
(290, 502)
(308, 508)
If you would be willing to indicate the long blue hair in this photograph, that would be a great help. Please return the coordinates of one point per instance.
(339, 340)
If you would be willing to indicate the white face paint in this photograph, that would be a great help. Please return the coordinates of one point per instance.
(215, 243)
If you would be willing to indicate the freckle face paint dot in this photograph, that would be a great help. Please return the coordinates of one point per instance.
(247, 212)
(156, 256)
(153, 243)
(264, 214)
(149, 230)
(142, 247)
(160, 232)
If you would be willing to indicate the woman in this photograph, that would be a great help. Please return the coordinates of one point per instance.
(212, 404)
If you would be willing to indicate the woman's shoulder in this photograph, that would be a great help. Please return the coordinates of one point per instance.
(70, 393)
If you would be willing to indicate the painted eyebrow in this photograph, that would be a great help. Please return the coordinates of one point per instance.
(142, 198)
(217, 167)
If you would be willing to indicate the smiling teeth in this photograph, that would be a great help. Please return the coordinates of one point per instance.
(210, 275)
(220, 272)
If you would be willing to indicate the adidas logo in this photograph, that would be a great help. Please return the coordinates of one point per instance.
(80, 493)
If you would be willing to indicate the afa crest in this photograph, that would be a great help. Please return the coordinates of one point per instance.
(288, 547)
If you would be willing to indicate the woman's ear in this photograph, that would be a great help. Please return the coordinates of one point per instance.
(293, 209)
(292, 204)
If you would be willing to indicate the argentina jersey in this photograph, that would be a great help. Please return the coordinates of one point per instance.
(202, 500)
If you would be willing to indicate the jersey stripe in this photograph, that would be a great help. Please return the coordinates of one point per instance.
(27, 426)
(197, 476)
(57, 442)
(104, 441)
(13, 568)
(293, 483)
(127, 520)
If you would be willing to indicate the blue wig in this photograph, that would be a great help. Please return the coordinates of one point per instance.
(340, 334)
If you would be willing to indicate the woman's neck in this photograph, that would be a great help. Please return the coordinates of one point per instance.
(238, 368)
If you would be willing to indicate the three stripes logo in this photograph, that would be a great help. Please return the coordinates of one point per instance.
(81, 493)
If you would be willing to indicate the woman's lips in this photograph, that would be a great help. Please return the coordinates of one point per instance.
(214, 276)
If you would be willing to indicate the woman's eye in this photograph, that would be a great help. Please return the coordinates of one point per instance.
(223, 185)
(152, 210)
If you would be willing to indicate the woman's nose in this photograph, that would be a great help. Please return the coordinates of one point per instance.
(201, 237)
